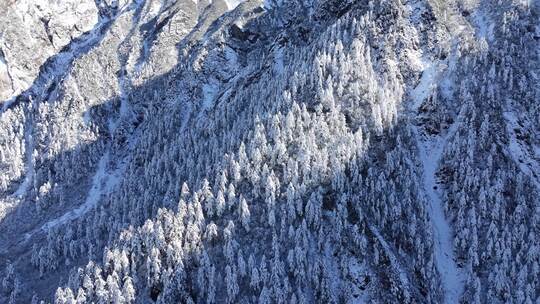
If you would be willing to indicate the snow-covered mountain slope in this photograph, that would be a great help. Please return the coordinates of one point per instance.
(292, 151)
(32, 32)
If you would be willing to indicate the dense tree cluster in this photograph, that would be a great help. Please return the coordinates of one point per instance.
(491, 182)
(278, 163)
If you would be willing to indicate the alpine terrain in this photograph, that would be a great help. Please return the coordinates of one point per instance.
(276, 151)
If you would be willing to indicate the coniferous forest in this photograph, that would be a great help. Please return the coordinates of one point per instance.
(277, 151)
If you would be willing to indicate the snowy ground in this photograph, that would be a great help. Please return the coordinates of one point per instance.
(232, 4)
(430, 152)
(29, 162)
(103, 182)
(451, 276)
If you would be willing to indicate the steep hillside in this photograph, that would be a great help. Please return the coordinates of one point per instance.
(295, 151)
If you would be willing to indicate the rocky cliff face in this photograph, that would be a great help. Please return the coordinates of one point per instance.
(285, 151)
(32, 32)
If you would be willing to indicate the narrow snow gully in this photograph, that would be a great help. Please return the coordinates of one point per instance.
(430, 150)
(451, 276)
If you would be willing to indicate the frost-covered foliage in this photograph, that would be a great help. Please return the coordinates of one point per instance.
(282, 152)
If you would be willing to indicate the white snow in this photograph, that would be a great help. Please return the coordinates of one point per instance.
(29, 164)
(210, 91)
(451, 276)
(357, 272)
(231, 56)
(484, 28)
(278, 61)
(232, 4)
(61, 62)
(125, 107)
(103, 182)
(426, 85)
(93, 196)
(430, 152)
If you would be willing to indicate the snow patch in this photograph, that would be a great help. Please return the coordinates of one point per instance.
(29, 164)
(232, 4)
(359, 284)
(278, 61)
(231, 56)
(210, 91)
(427, 82)
(484, 28)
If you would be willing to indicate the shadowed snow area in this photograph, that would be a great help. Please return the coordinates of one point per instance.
(269, 151)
